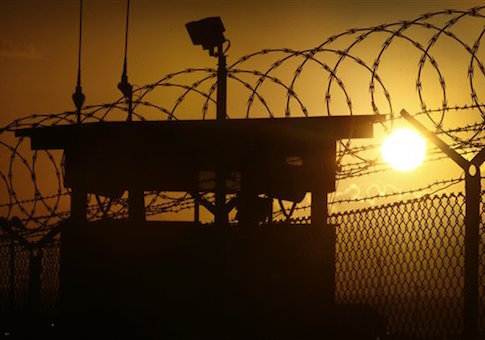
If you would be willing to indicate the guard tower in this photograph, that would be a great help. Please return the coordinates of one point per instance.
(192, 280)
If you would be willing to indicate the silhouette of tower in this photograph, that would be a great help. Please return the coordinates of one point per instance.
(277, 275)
(184, 279)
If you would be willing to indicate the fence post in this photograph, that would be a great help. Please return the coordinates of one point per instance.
(11, 297)
(35, 271)
(472, 236)
(472, 224)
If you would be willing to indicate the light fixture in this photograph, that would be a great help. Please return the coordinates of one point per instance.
(207, 32)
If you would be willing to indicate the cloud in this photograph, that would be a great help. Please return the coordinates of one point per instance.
(11, 49)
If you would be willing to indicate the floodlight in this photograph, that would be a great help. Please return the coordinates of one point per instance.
(207, 32)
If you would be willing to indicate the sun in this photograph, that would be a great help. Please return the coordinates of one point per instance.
(404, 149)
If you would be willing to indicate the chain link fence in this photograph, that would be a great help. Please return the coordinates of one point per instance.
(14, 276)
(50, 278)
(407, 260)
(404, 259)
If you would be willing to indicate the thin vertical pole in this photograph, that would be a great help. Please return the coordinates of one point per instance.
(220, 185)
(69, 232)
(11, 299)
(78, 96)
(79, 202)
(136, 204)
(319, 208)
(221, 85)
(319, 216)
(35, 272)
(197, 208)
(472, 237)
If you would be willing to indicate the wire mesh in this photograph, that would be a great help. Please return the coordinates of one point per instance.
(14, 270)
(481, 272)
(405, 259)
(50, 278)
(6, 275)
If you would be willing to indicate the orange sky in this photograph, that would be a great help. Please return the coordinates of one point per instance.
(38, 48)
(38, 40)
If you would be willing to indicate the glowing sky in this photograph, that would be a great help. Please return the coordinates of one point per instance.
(38, 40)
(38, 46)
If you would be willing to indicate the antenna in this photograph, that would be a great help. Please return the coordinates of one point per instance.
(78, 96)
(124, 86)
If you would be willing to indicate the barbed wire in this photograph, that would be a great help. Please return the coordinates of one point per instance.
(345, 74)
(423, 191)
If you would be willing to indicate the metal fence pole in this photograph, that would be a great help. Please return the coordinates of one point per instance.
(472, 224)
(220, 185)
(472, 237)
(11, 297)
(35, 271)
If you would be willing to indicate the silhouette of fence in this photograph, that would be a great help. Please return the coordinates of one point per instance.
(405, 259)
